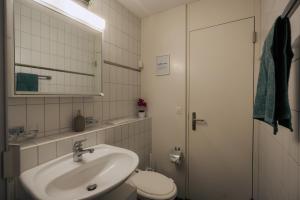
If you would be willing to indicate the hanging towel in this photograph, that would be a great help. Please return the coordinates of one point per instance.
(283, 55)
(271, 102)
(27, 82)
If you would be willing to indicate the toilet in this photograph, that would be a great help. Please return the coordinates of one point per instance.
(153, 186)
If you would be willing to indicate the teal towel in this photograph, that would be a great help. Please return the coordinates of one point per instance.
(271, 102)
(283, 56)
(27, 82)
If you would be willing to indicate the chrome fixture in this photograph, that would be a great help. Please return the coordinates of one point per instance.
(78, 151)
(20, 133)
(176, 156)
(16, 131)
(91, 187)
(90, 121)
(42, 77)
(290, 8)
(195, 121)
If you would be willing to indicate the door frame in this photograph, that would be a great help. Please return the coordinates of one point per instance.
(3, 100)
(256, 61)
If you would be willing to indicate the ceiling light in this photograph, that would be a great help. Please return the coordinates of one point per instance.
(76, 12)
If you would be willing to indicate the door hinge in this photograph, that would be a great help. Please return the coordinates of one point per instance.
(254, 37)
(11, 162)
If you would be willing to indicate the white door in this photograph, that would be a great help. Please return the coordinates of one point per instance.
(221, 96)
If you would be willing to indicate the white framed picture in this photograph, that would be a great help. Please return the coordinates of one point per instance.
(162, 65)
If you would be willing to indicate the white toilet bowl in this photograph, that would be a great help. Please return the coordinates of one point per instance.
(153, 186)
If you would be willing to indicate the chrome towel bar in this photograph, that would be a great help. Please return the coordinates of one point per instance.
(42, 77)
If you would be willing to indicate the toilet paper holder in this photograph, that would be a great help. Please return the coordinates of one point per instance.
(176, 156)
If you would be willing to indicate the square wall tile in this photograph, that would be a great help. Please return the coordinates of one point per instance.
(65, 115)
(98, 111)
(51, 100)
(47, 152)
(125, 134)
(35, 118)
(12, 101)
(65, 100)
(35, 101)
(64, 147)
(106, 109)
(25, 56)
(29, 158)
(91, 139)
(109, 136)
(17, 116)
(88, 108)
(101, 137)
(51, 117)
(117, 134)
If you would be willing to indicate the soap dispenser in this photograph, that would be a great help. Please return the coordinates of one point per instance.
(79, 122)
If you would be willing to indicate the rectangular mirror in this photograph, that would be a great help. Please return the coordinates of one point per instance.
(50, 53)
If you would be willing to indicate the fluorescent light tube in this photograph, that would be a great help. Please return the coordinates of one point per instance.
(76, 12)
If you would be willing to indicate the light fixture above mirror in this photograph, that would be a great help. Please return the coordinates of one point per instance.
(76, 12)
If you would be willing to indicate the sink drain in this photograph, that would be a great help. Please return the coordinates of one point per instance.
(91, 187)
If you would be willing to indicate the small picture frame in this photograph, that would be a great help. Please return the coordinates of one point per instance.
(162, 65)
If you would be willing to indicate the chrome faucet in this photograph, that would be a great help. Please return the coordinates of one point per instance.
(78, 151)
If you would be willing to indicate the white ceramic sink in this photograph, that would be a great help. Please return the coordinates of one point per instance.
(65, 179)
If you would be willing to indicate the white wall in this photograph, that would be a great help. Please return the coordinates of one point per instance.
(279, 161)
(164, 33)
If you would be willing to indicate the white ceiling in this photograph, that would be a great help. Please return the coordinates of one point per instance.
(143, 8)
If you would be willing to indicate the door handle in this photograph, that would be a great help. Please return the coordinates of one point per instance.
(195, 120)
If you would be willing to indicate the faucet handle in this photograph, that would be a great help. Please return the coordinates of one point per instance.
(78, 144)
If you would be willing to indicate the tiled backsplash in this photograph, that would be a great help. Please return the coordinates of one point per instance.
(135, 136)
(121, 86)
(54, 115)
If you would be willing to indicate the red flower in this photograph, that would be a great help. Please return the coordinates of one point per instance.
(142, 103)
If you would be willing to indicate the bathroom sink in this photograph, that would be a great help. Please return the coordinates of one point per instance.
(95, 175)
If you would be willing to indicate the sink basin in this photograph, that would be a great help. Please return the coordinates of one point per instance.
(95, 175)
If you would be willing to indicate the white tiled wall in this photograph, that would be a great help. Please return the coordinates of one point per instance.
(279, 156)
(122, 35)
(121, 86)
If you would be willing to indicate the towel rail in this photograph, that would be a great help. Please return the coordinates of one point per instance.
(290, 8)
(50, 69)
(122, 66)
(42, 77)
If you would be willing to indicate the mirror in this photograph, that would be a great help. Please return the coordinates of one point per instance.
(53, 54)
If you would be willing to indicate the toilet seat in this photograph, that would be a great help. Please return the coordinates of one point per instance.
(153, 185)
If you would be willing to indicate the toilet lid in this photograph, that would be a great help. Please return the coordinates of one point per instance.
(153, 185)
